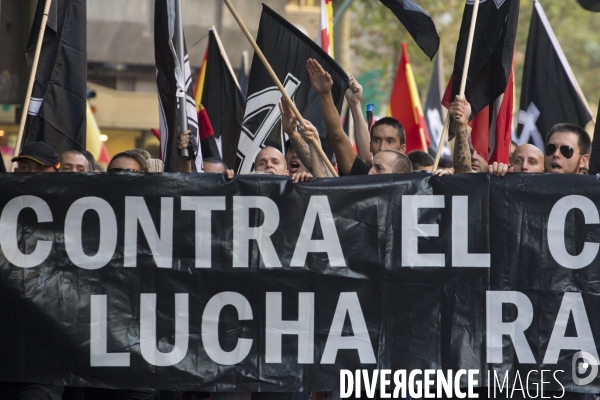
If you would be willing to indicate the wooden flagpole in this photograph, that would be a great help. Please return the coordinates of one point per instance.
(36, 60)
(284, 94)
(463, 82)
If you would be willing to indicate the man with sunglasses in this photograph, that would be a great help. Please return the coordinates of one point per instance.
(567, 149)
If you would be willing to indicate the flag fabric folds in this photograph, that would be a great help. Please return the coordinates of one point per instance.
(287, 51)
(418, 23)
(549, 93)
(405, 106)
(490, 71)
(325, 37)
(57, 111)
(173, 80)
(218, 90)
(434, 112)
(590, 5)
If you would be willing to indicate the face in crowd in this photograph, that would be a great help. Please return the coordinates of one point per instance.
(478, 162)
(563, 154)
(270, 161)
(213, 167)
(74, 161)
(387, 133)
(124, 164)
(390, 161)
(293, 161)
(37, 157)
(527, 158)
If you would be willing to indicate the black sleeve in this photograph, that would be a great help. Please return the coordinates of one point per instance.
(359, 167)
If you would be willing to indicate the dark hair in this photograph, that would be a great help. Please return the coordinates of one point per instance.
(402, 164)
(584, 142)
(287, 145)
(135, 156)
(143, 152)
(90, 165)
(419, 158)
(394, 123)
(214, 160)
(98, 168)
(91, 159)
(445, 162)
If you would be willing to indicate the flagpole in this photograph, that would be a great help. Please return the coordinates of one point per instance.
(463, 81)
(224, 55)
(36, 60)
(284, 94)
(181, 97)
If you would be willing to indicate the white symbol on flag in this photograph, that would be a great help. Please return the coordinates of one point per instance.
(530, 131)
(251, 143)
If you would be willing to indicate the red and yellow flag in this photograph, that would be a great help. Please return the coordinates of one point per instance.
(325, 38)
(405, 106)
(200, 81)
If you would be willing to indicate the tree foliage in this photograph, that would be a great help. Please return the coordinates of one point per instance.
(377, 36)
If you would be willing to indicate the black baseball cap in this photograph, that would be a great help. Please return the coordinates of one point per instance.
(39, 152)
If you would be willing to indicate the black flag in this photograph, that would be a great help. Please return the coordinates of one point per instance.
(491, 55)
(590, 5)
(287, 50)
(172, 81)
(549, 94)
(595, 156)
(418, 23)
(56, 113)
(223, 101)
(433, 110)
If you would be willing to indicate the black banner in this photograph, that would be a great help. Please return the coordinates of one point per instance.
(192, 282)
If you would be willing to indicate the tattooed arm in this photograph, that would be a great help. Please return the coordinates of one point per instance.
(289, 123)
(319, 168)
(460, 110)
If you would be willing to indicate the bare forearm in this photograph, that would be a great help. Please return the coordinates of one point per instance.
(319, 169)
(301, 148)
(462, 152)
(361, 134)
(339, 141)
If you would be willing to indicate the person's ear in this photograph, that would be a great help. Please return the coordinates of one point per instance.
(403, 148)
(287, 173)
(584, 160)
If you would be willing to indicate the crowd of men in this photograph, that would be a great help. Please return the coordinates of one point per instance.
(380, 150)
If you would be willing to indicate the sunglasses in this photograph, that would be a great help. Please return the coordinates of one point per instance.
(566, 151)
(122, 170)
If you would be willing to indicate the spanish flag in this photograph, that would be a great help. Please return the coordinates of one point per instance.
(405, 106)
(325, 38)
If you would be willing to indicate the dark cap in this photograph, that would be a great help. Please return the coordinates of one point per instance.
(39, 152)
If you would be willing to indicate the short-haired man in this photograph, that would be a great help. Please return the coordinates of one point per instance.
(74, 161)
(212, 165)
(388, 133)
(420, 160)
(37, 157)
(567, 149)
(389, 161)
(527, 158)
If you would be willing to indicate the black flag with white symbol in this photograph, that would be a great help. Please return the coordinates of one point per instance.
(550, 94)
(287, 50)
(172, 81)
(56, 113)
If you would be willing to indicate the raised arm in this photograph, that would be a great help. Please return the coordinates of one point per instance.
(319, 169)
(322, 82)
(361, 129)
(460, 110)
(289, 123)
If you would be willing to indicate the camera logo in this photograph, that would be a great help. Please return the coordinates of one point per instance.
(583, 364)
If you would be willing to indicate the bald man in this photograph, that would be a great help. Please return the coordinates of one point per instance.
(525, 158)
